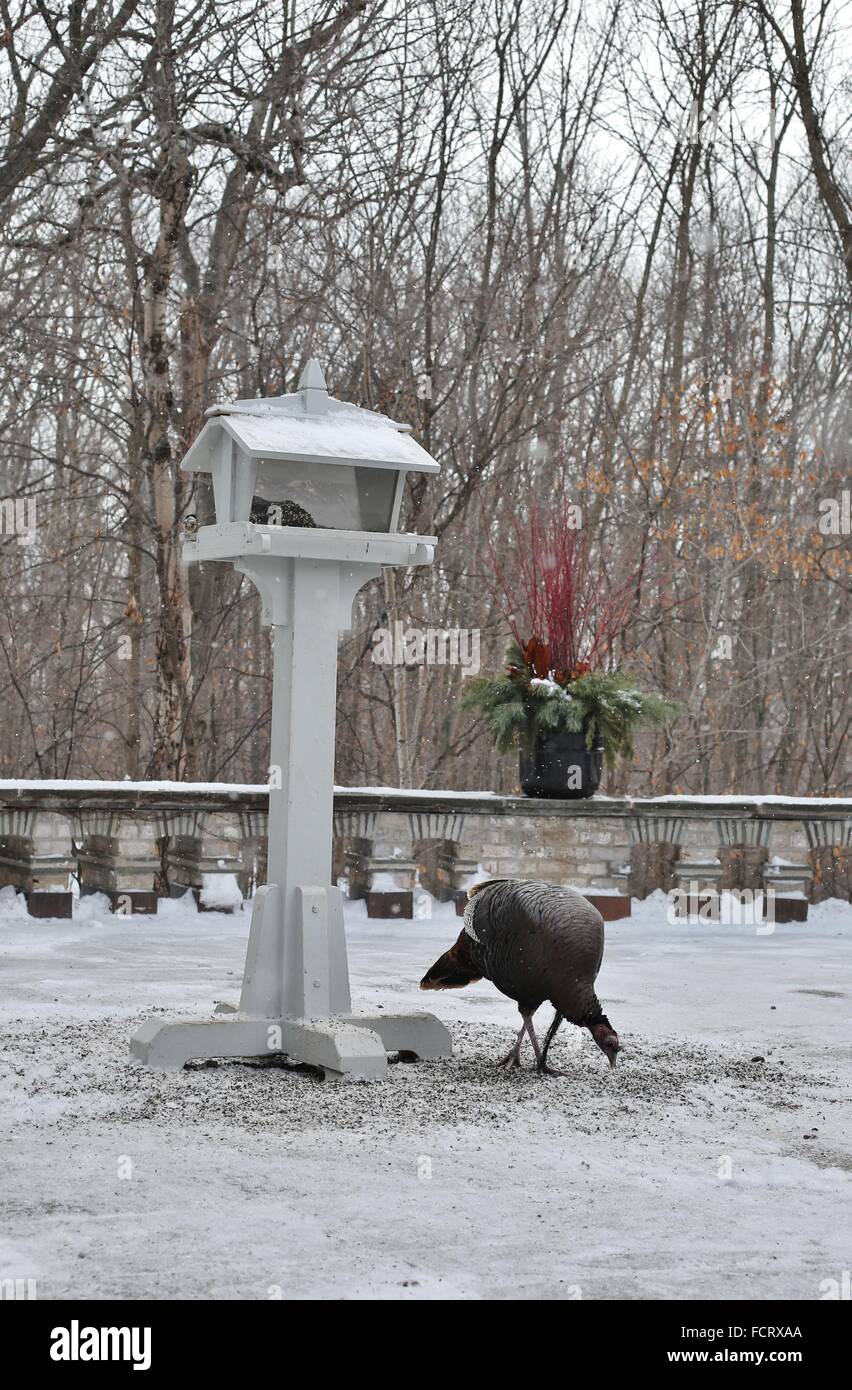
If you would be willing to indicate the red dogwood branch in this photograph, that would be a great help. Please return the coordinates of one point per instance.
(550, 588)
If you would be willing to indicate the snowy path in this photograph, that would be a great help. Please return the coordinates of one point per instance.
(452, 1179)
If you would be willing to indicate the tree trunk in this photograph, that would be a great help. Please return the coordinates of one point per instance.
(174, 626)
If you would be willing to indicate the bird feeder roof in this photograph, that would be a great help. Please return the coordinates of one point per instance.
(307, 425)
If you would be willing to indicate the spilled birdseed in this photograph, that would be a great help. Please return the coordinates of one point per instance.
(60, 1075)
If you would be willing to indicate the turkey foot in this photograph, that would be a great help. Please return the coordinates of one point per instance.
(513, 1056)
(540, 1053)
(544, 1070)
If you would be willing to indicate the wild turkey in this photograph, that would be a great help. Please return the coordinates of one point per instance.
(534, 941)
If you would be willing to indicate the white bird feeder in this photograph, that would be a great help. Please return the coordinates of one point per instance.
(307, 492)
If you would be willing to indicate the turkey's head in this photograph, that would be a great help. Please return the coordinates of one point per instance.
(606, 1038)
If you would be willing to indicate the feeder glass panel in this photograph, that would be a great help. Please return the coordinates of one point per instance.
(334, 496)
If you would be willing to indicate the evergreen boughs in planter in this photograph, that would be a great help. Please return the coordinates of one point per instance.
(530, 700)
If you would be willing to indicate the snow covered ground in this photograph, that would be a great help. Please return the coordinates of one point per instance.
(714, 1163)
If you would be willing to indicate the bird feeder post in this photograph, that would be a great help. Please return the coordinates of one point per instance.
(329, 465)
(309, 602)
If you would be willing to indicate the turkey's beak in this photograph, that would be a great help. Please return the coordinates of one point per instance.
(612, 1061)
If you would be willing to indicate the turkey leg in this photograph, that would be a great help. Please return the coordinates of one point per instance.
(513, 1056)
(543, 1068)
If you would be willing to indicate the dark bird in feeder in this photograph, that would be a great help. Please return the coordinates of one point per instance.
(190, 524)
(287, 513)
(534, 941)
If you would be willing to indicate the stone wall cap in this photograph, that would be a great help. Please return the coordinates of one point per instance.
(76, 793)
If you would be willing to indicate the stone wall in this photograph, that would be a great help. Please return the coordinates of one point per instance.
(563, 848)
(390, 836)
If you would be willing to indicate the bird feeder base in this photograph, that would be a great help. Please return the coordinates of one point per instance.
(276, 1021)
(348, 1047)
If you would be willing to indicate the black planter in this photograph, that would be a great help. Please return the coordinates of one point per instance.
(562, 766)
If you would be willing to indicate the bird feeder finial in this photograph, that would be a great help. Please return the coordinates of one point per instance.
(313, 388)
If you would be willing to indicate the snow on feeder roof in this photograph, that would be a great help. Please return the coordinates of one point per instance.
(306, 459)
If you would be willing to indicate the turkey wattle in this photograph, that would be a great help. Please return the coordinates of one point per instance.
(534, 941)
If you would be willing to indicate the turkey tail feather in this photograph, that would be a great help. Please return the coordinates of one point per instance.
(449, 972)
